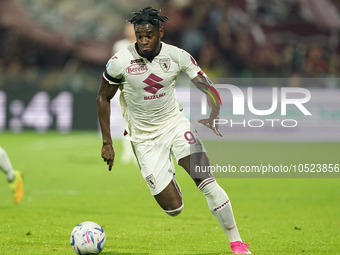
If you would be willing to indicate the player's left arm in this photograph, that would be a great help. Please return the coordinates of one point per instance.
(203, 83)
(189, 65)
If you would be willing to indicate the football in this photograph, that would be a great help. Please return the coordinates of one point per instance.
(88, 238)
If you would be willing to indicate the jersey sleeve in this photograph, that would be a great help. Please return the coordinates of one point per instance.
(113, 73)
(188, 64)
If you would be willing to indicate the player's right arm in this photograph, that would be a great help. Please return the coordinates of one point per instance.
(107, 90)
(105, 93)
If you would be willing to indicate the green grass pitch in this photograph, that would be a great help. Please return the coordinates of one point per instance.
(66, 182)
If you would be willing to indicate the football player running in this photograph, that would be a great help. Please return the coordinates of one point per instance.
(146, 73)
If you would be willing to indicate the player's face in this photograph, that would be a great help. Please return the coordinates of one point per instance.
(148, 38)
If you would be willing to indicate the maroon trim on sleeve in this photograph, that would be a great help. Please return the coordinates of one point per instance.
(103, 79)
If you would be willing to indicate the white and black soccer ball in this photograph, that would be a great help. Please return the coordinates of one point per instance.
(88, 238)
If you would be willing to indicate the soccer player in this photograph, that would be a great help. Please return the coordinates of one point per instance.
(14, 178)
(146, 73)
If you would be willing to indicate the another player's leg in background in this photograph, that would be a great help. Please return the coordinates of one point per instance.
(218, 201)
(13, 177)
(127, 156)
(6, 166)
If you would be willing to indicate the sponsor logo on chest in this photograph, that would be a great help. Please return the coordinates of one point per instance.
(136, 69)
(154, 96)
(137, 61)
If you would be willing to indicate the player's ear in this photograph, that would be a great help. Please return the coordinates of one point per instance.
(161, 32)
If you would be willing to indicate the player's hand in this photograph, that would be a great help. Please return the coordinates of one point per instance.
(210, 124)
(108, 154)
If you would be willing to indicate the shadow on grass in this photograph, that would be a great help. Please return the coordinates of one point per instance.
(120, 253)
(133, 253)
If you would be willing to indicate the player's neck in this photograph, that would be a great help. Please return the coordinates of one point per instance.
(150, 58)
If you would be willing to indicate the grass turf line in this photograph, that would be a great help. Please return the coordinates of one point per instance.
(66, 182)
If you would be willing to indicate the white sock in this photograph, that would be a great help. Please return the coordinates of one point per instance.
(220, 207)
(5, 165)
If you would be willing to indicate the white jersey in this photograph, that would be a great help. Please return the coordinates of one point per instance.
(148, 98)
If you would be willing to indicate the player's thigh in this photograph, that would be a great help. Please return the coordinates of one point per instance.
(155, 163)
(186, 140)
(189, 151)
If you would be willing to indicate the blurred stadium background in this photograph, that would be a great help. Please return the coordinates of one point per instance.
(53, 53)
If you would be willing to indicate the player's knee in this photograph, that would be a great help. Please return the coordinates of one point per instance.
(175, 212)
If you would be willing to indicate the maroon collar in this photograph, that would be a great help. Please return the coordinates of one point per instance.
(136, 47)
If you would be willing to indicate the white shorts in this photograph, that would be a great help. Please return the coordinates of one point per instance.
(154, 156)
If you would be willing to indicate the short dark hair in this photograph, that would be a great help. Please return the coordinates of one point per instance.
(148, 15)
